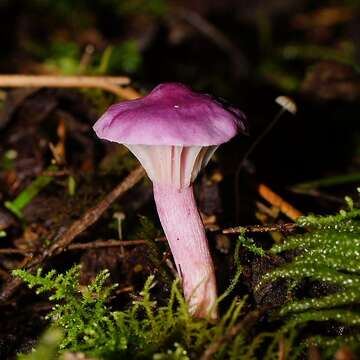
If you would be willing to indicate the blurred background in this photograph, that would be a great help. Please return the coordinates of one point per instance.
(247, 52)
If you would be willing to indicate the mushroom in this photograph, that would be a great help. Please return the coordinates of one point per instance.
(173, 132)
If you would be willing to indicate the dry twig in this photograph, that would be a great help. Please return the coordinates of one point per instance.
(98, 244)
(109, 243)
(15, 251)
(261, 228)
(274, 199)
(108, 83)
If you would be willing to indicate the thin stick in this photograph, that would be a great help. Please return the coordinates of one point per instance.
(288, 227)
(260, 137)
(15, 251)
(248, 153)
(98, 244)
(109, 243)
(108, 83)
(19, 80)
(125, 289)
(261, 228)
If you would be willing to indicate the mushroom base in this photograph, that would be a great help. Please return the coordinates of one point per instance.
(185, 232)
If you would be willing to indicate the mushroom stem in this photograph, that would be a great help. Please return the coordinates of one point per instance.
(185, 232)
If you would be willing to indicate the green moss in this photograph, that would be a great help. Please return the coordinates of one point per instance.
(327, 253)
(143, 330)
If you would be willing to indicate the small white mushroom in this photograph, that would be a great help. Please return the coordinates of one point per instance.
(120, 216)
(287, 103)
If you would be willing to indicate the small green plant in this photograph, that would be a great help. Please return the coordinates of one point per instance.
(326, 253)
(24, 198)
(250, 245)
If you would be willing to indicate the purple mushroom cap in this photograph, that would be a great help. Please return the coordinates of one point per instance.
(172, 114)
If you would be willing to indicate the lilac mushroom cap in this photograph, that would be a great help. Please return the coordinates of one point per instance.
(172, 114)
(173, 131)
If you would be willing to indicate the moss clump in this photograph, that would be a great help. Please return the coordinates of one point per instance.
(143, 330)
(327, 253)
